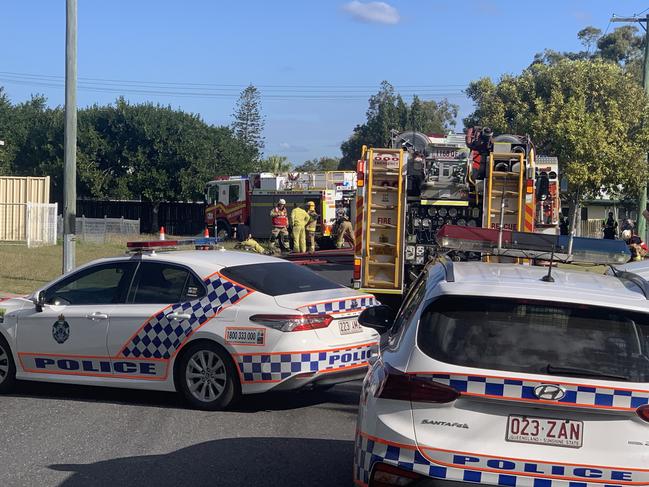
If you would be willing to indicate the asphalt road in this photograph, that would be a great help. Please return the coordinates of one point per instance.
(82, 436)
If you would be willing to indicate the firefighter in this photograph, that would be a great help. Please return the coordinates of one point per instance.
(279, 220)
(344, 228)
(244, 238)
(311, 226)
(299, 220)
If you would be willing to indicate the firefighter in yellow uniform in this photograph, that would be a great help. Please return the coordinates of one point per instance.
(279, 220)
(345, 228)
(311, 226)
(299, 220)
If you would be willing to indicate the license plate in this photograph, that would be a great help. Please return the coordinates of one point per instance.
(347, 327)
(545, 431)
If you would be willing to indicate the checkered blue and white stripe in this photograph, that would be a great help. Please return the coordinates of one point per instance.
(160, 337)
(275, 367)
(341, 306)
(578, 395)
(368, 451)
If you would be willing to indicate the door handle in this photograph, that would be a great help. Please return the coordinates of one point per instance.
(97, 315)
(178, 316)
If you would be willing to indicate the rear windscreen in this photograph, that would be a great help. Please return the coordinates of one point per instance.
(278, 278)
(536, 337)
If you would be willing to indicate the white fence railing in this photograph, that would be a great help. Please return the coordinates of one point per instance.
(40, 224)
(99, 229)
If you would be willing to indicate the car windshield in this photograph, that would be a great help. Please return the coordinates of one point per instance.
(536, 337)
(278, 278)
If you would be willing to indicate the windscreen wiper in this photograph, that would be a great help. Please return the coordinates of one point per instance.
(558, 370)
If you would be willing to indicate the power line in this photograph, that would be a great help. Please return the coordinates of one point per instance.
(196, 90)
(226, 87)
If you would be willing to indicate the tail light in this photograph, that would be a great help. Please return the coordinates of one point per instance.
(357, 269)
(405, 387)
(360, 173)
(293, 322)
(643, 412)
(387, 476)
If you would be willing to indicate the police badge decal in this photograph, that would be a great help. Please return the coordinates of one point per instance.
(61, 330)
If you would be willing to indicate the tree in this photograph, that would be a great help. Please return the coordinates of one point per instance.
(248, 125)
(589, 36)
(387, 111)
(590, 114)
(275, 164)
(623, 46)
(125, 151)
(322, 164)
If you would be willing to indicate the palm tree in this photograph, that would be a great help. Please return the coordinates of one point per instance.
(276, 164)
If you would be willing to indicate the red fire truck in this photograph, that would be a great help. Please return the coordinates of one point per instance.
(249, 199)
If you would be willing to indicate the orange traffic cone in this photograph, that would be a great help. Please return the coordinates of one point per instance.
(206, 233)
(162, 233)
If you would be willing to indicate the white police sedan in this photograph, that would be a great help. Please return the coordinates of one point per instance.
(496, 374)
(210, 324)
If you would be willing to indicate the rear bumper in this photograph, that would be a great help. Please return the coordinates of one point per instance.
(323, 379)
(265, 371)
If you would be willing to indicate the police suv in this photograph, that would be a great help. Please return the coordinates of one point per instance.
(210, 324)
(496, 374)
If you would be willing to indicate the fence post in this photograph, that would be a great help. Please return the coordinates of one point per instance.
(83, 227)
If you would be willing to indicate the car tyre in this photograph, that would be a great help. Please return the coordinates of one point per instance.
(7, 367)
(207, 377)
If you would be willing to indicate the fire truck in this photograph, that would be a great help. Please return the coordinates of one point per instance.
(407, 192)
(249, 199)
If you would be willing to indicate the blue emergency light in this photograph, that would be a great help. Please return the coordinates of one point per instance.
(533, 245)
(202, 243)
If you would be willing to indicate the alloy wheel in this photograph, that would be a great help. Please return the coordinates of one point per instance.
(4, 364)
(206, 376)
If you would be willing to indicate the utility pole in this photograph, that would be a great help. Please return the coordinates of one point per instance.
(70, 144)
(642, 201)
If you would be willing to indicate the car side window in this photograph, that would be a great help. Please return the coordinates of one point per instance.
(163, 283)
(100, 284)
(410, 305)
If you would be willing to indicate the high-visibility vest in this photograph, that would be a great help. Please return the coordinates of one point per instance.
(279, 217)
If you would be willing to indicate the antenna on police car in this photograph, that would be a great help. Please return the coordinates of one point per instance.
(548, 277)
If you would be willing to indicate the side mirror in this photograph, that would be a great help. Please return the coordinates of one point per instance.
(39, 301)
(379, 318)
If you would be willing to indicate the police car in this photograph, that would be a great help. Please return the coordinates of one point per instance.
(497, 374)
(209, 324)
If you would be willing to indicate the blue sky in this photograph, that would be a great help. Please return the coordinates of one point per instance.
(315, 61)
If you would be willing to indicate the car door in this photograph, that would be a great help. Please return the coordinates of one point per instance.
(68, 335)
(157, 318)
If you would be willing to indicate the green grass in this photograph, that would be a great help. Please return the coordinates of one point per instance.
(24, 270)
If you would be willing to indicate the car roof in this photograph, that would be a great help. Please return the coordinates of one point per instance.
(640, 267)
(201, 259)
(523, 281)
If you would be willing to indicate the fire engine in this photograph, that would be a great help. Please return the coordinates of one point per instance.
(407, 192)
(249, 199)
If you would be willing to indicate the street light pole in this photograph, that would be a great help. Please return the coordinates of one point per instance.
(642, 200)
(70, 144)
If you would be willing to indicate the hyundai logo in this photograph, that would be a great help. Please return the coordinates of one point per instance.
(550, 392)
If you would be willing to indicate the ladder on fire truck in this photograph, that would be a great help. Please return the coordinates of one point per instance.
(382, 221)
(504, 197)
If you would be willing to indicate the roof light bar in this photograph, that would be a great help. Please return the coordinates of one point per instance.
(533, 245)
(202, 242)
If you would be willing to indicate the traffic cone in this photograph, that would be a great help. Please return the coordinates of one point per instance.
(162, 233)
(206, 233)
